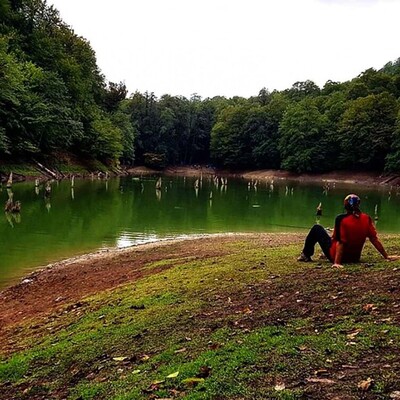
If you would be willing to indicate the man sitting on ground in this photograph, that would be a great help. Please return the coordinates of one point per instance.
(348, 239)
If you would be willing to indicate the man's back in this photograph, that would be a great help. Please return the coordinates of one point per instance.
(352, 230)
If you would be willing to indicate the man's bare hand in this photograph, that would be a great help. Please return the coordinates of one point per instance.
(392, 258)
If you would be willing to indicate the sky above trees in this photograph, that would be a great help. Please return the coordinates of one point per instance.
(234, 47)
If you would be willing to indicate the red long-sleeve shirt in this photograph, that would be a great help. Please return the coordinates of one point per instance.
(352, 231)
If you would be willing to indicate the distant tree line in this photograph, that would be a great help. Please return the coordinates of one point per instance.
(54, 100)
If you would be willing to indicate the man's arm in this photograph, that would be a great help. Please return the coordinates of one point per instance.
(379, 246)
(373, 237)
(338, 256)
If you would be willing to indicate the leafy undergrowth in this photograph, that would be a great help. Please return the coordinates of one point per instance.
(20, 169)
(251, 324)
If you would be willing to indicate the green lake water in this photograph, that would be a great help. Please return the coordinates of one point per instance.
(121, 212)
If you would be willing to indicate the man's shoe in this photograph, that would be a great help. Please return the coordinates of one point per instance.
(303, 258)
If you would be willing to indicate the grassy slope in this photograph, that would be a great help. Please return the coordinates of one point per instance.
(252, 324)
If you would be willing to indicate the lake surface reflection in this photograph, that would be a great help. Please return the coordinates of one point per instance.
(121, 212)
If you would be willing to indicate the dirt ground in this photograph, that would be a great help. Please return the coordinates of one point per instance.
(46, 290)
(66, 281)
(275, 301)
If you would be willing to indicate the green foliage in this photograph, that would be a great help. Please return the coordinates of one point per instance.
(230, 143)
(53, 98)
(114, 95)
(265, 132)
(3, 141)
(107, 138)
(393, 157)
(51, 91)
(300, 90)
(145, 118)
(376, 82)
(14, 370)
(4, 9)
(392, 67)
(121, 118)
(304, 140)
(366, 131)
(176, 127)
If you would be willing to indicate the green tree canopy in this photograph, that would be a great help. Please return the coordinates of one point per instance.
(303, 143)
(366, 131)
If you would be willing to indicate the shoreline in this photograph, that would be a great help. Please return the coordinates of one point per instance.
(56, 284)
(109, 252)
(346, 177)
(332, 177)
(91, 271)
(367, 179)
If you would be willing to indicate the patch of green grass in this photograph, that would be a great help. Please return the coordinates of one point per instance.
(71, 168)
(21, 169)
(14, 369)
(88, 392)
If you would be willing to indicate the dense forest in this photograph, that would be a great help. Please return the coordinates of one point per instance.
(54, 101)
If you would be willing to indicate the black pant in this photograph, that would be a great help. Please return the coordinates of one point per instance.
(319, 235)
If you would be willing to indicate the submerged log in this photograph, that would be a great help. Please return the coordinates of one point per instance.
(10, 180)
(16, 207)
(8, 205)
(12, 207)
(46, 170)
(47, 190)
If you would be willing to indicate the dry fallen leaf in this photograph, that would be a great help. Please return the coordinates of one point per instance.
(353, 334)
(320, 372)
(365, 385)
(173, 375)
(180, 350)
(280, 386)
(321, 380)
(136, 371)
(192, 381)
(369, 307)
(155, 383)
(153, 387)
(119, 358)
(349, 366)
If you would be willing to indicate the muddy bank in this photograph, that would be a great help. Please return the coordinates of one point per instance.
(363, 178)
(67, 281)
(350, 177)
